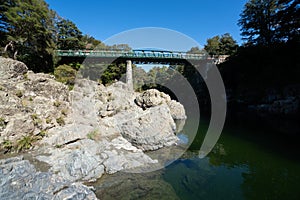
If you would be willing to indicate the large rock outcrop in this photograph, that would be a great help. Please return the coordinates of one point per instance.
(80, 134)
(30, 103)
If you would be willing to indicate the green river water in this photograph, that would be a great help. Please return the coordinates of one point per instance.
(246, 163)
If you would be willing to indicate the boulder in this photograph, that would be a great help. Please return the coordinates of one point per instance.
(151, 129)
(153, 97)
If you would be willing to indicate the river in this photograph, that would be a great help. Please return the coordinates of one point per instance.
(248, 162)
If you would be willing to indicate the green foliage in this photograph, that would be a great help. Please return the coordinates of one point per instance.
(196, 50)
(93, 135)
(34, 116)
(7, 145)
(254, 69)
(36, 121)
(69, 36)
(113, 72)
(270, 21)
(27, 30)
(65, 74)
(224, 45)
(60, 121)
(213, 45)
(42, 133)
(25, 142)
(2, 123)
(48, 120)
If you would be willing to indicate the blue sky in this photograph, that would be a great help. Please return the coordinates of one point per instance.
(197, 19)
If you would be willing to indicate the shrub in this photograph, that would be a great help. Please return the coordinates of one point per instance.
(93, 134)
(7, 145)
(25, 142)
(60, 121)
(2, 122)
(65, 74)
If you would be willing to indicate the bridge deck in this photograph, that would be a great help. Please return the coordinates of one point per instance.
(134, 54)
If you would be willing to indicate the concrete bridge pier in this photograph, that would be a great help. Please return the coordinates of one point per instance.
(129, 80)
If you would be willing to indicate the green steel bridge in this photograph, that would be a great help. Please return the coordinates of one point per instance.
(137, 56)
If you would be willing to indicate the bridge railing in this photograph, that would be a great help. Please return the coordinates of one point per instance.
(130, 54)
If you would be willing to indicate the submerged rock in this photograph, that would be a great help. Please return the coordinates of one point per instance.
(20, 180)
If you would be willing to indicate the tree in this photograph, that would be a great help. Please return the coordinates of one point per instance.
(265, 22)
(91, 43)
(228, 45)
(288, 20)
(196, 50)
(224, 45)
(27, 27)
(213, 45)
(69, 36)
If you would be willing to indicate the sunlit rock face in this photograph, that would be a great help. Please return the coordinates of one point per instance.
(89, 131)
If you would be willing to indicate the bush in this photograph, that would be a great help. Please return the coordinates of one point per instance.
(25, 142)
(60, 121)
(7, 146)
(65, 74)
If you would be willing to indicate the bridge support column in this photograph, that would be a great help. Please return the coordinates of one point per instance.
(129, 80)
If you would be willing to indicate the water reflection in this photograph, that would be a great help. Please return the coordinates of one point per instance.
(237, 168)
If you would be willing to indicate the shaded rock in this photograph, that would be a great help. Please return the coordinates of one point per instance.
(20, 180)
(134, 186)
(10, 68)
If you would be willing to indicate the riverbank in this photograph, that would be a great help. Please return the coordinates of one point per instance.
(80, 134)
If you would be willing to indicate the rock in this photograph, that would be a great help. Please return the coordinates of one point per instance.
(29, 103)
(20, 180)
(10, 68)
(151, 98)
(177, 110)
(135, 186)
(19, 125)
(149, 130)
(88, 159)
(122, 156)
(77, 161)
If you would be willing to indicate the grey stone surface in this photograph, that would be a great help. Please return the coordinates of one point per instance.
(20, 180)
(152, 98)
(150, 129)
(29, 103)
(104, 130)
(11, 68)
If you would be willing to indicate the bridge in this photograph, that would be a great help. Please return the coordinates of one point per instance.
(132, 54)
(136, 56)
